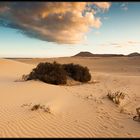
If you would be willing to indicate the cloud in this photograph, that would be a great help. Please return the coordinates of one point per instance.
(3, 7)
(103, 5)
(129, 43)
(124, 6)
(97, 33)
(59, 22)
(134, 42)
(106, 18)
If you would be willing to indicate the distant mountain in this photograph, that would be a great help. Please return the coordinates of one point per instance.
(134, 54)
(89, 54)
(84, 54)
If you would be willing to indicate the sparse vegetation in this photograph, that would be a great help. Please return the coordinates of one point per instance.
(38, 106)
(116, 96)
(25, 77)
(137, 118)
(35, 107)
(55, 73)
(47, 109)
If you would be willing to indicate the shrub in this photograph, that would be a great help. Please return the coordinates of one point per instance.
(55, 73)
(116, 97)
(49, 73)
(77, 72)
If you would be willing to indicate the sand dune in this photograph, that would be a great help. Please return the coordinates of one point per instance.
(76, 111)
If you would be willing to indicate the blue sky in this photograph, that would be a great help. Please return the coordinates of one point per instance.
(119, 33)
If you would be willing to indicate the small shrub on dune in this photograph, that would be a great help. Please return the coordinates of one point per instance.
(77, 72)
(49, 73)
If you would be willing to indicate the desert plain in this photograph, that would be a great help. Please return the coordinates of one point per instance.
(80, 110)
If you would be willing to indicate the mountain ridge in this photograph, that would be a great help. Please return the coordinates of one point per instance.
(89, 54)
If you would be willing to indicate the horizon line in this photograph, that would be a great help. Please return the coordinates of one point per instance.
(70, 56)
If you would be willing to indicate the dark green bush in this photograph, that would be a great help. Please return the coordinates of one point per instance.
(77, 72)
(57, 73)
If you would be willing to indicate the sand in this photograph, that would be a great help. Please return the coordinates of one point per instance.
(76, 111)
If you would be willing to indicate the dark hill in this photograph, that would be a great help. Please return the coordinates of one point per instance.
(88, 54)
(85, 54)
(134, 54)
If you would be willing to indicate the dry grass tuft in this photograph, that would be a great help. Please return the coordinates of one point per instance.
(35, 107)
(137, 118)
(42, 107)
(47, 109)
(25, 77)
(116, 97)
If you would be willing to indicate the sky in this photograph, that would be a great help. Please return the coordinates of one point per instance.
(49, 29)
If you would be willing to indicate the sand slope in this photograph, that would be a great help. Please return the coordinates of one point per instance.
(76, 111)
